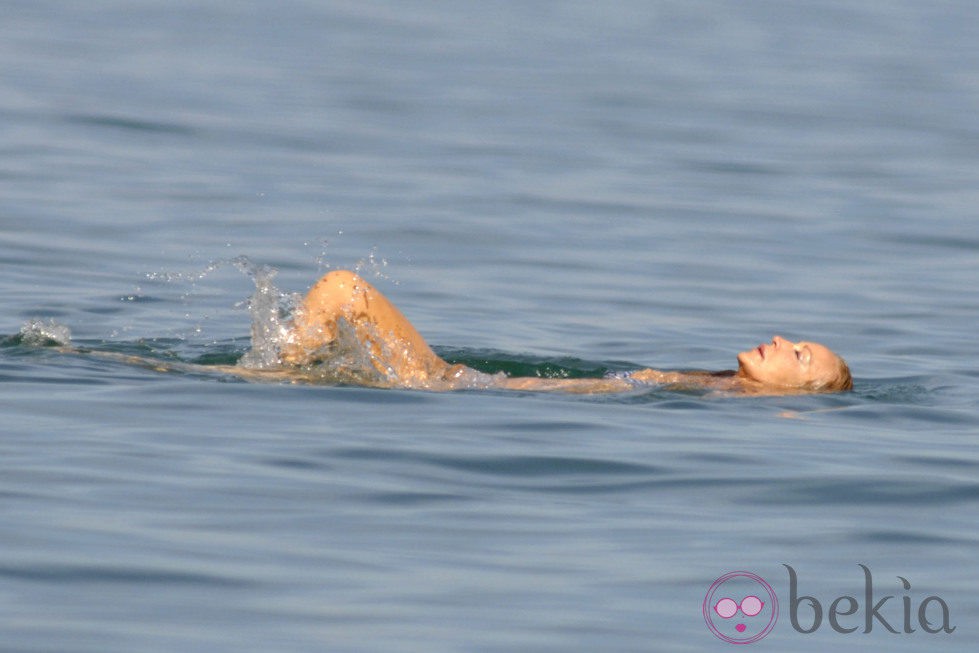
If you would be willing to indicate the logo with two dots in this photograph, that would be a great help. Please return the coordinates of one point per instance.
(741, 608)
(747, 617)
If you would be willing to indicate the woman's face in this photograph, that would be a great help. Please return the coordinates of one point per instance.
(788, 364)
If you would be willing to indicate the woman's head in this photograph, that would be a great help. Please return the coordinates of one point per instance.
(807, 366)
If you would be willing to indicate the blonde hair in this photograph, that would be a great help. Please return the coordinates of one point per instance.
(841, 381)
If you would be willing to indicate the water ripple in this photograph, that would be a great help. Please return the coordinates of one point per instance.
(878, 491)
(907, 537)
(130, 124)
(511, 466)
(71, 574)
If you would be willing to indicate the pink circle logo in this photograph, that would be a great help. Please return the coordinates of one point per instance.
(740, 607)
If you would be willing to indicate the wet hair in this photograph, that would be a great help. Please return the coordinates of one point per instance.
(841, 381)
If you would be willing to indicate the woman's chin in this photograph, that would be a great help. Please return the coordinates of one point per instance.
(744, 372)
(743, 359)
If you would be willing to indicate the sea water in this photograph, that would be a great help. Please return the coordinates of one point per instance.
(542, 188)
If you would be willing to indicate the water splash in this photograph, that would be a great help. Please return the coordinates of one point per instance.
(348, 360)
(170, 276)
(188, 285)
(269, 309)
(38, 333)
(373, 266)
(322, 262)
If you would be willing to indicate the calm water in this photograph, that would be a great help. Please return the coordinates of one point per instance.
(659, 183)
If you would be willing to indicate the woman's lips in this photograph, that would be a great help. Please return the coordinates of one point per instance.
(761, 351)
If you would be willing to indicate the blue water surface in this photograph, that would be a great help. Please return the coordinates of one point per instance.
(560, 183)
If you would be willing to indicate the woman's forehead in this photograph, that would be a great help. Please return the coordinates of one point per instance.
(815, 346)
(822, 353)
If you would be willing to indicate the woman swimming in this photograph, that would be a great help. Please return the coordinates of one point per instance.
(344, 308)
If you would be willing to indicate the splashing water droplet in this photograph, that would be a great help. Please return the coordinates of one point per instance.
(373, 266)
(38, 333)
(269, 309)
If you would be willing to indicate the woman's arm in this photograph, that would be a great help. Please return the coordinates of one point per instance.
(607, 385)
(649, 375)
